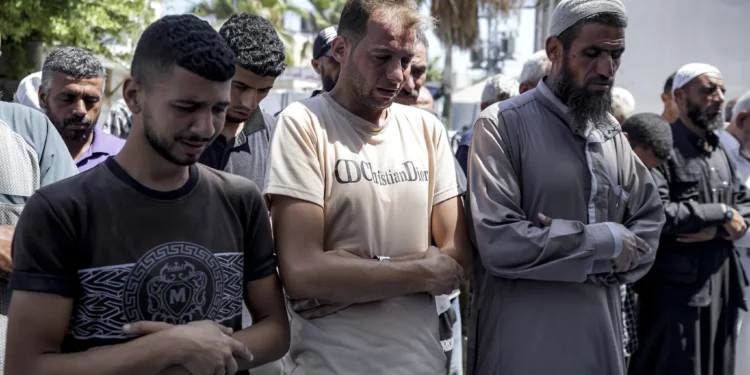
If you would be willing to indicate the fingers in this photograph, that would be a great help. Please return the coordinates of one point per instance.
(145, 328)
(546, 221)
(225, 330)
(642, 244)
(240, 351)
(231, 366)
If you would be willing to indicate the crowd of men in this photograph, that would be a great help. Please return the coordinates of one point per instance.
(593, 239)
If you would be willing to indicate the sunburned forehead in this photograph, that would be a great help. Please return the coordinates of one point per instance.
(603, 36)
(391, 34)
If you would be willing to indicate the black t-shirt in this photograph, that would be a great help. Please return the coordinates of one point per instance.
(126, 253)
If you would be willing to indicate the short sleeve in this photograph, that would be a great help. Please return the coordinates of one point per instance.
(43, 251)
(447, 169)
(294, 168)
(260, 258)
(55, 161)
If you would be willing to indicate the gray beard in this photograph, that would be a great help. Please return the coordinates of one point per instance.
(586, 108)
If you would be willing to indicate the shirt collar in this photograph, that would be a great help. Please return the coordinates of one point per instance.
(703, 145)
(608, 130)
(102, 143)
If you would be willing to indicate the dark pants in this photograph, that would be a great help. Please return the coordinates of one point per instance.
(679, 339)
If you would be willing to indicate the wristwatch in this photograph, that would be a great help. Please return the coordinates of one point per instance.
(729, 215)
(381, 258)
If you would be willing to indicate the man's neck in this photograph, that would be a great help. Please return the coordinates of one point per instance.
(346, 98)
(669, 118)
(150, 169)
(232, 129)
(695, 129)
(78, 148)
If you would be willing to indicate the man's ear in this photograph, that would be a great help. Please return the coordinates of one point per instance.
(316, 65)
(625, 134)
(525, 86)
(42, 93)
(743, 120)
(130, 90)
(340, 48)
(554, 48)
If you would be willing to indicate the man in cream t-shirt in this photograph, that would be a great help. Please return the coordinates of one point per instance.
(357, 187)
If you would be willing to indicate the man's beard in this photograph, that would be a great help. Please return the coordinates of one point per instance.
(76, 135)
(408, 97)
(163, 146)
(702, 118)
(364, 95)
(329, 82)
(586, 107)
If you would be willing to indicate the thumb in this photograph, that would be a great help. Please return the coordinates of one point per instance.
(546, 221)
(145, 328)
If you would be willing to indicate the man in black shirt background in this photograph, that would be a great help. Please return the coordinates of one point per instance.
(690, 299)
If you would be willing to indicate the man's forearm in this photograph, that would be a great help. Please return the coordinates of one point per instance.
(147, 355)
(352, 280)
(267, 340)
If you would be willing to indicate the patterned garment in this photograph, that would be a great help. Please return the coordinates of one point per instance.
(630, 334)
(118, 120)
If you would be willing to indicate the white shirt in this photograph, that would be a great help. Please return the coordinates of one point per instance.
(743, 172)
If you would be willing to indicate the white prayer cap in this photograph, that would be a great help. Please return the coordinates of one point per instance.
(28, 91)
(569, 12)
(690, 72)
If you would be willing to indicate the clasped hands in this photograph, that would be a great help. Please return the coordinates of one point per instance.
(735, 229)
(632, 246)
(446, 275)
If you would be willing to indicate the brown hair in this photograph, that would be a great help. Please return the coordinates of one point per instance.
(356, 14)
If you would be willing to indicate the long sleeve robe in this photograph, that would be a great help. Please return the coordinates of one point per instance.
(546, 299)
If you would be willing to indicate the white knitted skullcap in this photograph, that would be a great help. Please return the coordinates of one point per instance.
(690, 72)
(569, 12)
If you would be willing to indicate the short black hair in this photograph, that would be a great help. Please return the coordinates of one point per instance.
(649, 131)
(185, 41)
(668, 84)
(255, 43)
(608, 19)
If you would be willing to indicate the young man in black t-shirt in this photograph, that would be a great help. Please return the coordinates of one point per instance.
(147, 258)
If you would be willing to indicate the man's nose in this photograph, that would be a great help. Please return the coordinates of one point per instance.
(250, 99)
(605, 66)
(396, 71)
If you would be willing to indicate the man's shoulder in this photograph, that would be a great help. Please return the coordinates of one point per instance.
(521, 105)
(27, 122)
(417, 116)
(230, 185)
(80, 188)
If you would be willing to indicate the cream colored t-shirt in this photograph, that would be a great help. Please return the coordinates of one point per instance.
(377, 186)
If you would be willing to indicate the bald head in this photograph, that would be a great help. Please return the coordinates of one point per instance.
(497, 89)
(534, 69)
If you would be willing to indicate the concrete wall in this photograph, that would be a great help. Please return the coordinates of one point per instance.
(663, 35)
(666, 34)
